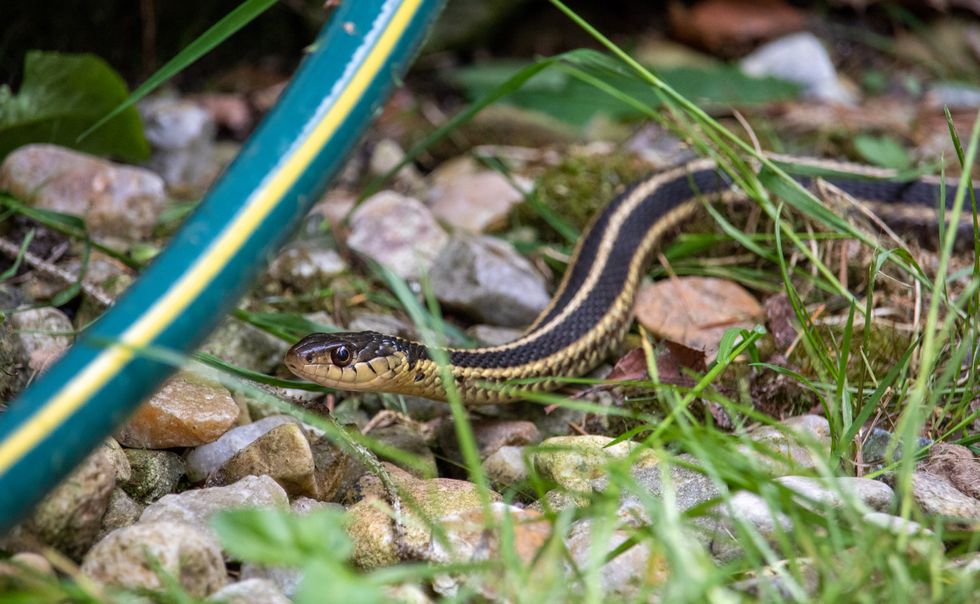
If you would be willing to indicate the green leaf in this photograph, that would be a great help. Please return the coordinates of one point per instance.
(281, 538)
(882, 151)
(61, 96)
(333, 583)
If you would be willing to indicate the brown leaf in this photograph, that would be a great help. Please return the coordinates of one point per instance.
(732, 27)
(696, 311)
(779, 321)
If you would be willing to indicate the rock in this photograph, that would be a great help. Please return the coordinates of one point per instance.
(472, 199)
(468, 539)
(306, 265)
(772, 580)
(881, 446)
(690, 488)
(487, 279)
(14, 567)
(195, 507)
(230, 111)
(958, 464)
(491, 335)
(386, 324)
(572, 462)
(406, 438)
(801, 442)
(370, 525)
(113, 200)
(305, 505)
(122, 511)
(896, 524)
(696, 311)
(186, 412)
(506, 467)
(250, 591)
(836, 492)
(336, 469)
(283, 453)
(246, 346)
(207, 458)
(181, 134)
(745, 508)
(728, 28)
(334, 206)
(191, 557)
(937, 495)
(69, 518)
(398, 232)
(42, 334)
(385, 156)
(285, 580)
(154, 474)
(659, 147)
(491, 434)
(102, 271)
(626, 574)
(799, 58)
(956, 96)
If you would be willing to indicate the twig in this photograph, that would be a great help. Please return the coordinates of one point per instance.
(41, 265)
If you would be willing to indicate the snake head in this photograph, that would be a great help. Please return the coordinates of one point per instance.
(363, 360)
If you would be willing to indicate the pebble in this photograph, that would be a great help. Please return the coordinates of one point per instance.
(117, 456)
(958, 464)
(183, 551)
(283, 453)
(408, 440)
(492, 335)
(896, 524)
(837, 491)
(487, 279)
(195, 507)
(690, 488)
(186, 412)
(573, 462)
(387, 154)
(42, 334)
(250, 591)
(772, 579)
(745, 508)
(370, 519)
(506, 467)
(336, 470)
(181, 134)
(306, 265)
(12, 571)
(491, 435)
(246, 346)
(801, 442)
(659, 147)
(937, 495)
(397, 232)
(285, 580)
(799, 58)
(386, 324)
(112, 199)
(471, 199)
(958, 97)
(207, 458)
(122, 511)
(626, 574)
(154, 474)
(105, 272)
(334, 206)
(69, 517)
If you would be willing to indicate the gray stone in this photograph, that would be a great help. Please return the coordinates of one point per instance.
(574, 462)
(283, 453)
(956, 96)
(690, 488)
(69, 517)
(406, 438)
(799, 58)
(249, 591)
(286, 580)
(385, 156)
(801, 442)
(246, 346)
(181, 134)
(306, 265)
(491, 434)
(937, 495)
(196, 507)
(186, 411)
(42, 334)
(775, 579)
(840, 490)
(506, 467)
(896, 524)
(205, 459)
(21, 572)
(154, 474)
(117, 456)
(122, 511)
(487, 279)
(473, 199)
(626, 574)
(751, 510)
(123, 558)
(386, 324)
(112, 199)
(398, 232)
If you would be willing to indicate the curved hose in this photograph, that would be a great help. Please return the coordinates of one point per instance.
(279, 174)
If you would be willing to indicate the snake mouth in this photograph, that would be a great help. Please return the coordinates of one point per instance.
(351, 361)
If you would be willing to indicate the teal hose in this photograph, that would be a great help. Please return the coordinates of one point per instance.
(282, 170)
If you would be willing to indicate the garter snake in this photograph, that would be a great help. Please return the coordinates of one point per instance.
(591, 311)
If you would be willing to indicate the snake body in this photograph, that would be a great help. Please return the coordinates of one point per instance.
(591, 311)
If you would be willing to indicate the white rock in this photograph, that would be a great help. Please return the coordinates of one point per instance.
(799, 58)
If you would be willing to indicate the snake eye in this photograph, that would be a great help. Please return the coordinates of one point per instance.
(341, 356)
